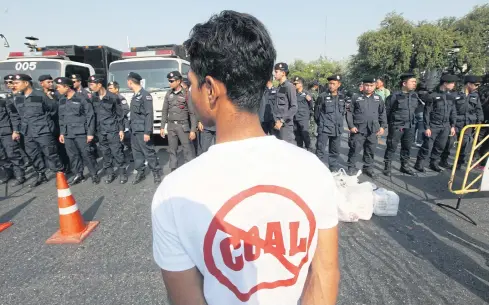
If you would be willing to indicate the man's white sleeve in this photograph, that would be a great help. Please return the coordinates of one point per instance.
(331, 198)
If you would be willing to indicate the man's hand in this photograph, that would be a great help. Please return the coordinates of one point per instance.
(381, 131)
(354, 130)
(452, 131)
(146, 138)
(162, 132)
(308, 98)
(192, 136)
(200, 126)
(62, 139)
(121, 135)
(89, 139)
(15, 136)
(278, 125)
(427, 132)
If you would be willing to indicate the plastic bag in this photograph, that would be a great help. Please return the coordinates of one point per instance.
(386, 203)
(343, 181)
(361, 197)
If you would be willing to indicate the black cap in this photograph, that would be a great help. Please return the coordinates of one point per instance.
(76, 77)
(315, 83)
(449, 78)
(406, 76)
(334, 77)
(23, 77)
(97, 79)
(281, 66)
(474, 79)
(63, 81)
(45, 77)
(135, 76)
(369, 80)
(174, 74)
(9, 77)
(298, 79)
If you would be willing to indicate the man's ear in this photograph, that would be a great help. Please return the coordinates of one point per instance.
(214, 89)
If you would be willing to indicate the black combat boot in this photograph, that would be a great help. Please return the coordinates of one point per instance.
(18, 181)
(123, 176)
(95, 179)
(8, 176)
(435, 167)
(40, 179)
(157, 176)
(419, 166)
(445, 164)
(387, 169)
(76, 179)
(370, 172)
(406, 170)
(139, 177)
(110, 178)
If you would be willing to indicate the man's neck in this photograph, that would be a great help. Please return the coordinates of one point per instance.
(102, 92)
(283, 79)
(334, 92)
(234, 126)
(405, 90)
(368, 94)
(300, 90)
(178, 89)
(136, 89)
(70, 94)
(28, 91)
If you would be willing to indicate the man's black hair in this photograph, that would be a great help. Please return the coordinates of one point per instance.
(236, 49)
(115, 84)
(135, 81)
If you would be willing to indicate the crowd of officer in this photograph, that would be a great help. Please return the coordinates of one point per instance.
(437, 116)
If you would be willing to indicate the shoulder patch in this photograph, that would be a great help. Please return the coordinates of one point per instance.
(149, 98)
(376, 97)
(123, 102)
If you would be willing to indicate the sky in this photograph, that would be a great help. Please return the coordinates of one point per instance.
(300, 30)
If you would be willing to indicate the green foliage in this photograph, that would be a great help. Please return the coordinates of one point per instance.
(319, 69)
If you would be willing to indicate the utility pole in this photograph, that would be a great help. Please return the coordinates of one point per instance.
(325, 37)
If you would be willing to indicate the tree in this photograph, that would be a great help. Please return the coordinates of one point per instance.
(318, 69)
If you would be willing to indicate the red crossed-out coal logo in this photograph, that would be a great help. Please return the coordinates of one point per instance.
(254, 246)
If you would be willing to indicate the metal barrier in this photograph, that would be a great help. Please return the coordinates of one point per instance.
(467, 188)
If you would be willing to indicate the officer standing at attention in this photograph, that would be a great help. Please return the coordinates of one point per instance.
(366, 119)
(10, 157)
(329, 114)
(110, 128)
(179, 114)
(439, 121)
(142, 128)
(37, 126)
(114, 87)
(265, 112)
(401, 110)
(303, 115)
(77, 128)
(469, 111)
(285, 105)
(77, 84)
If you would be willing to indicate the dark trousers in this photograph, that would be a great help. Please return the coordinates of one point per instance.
(418, 117)
(334, 144)
(25, 157)
(301, 130)
(359, 141)
(285, 133)
(434, 144)
(176, 132)
(112, 151)
(10, 156)
(467, 139)
(81, 154)
(144, 151)
(396, 135)
(207, 138)
(127, 147)
(45, 145)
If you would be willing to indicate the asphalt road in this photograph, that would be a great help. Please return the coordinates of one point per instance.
(425, 255)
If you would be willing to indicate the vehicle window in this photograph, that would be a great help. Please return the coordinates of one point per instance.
(185, 69)
(32, 68)
(83, 71)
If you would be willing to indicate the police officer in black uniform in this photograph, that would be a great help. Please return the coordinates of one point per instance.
(77, 129)
(179, 114)
(469, 111)
(114, 88)
(366, 119)
(401, 109)
(285, 105)
(37, 127)
(10, 156)
(142, 128)
(77, 84)
(329, 113)
(303, 115)
(110, 128)
(439, 121)
(265, 112)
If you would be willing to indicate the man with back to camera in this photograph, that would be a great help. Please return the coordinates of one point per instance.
(284, 106)
(114, 88)
(213, 246)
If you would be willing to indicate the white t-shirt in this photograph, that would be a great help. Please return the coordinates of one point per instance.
(216, 211)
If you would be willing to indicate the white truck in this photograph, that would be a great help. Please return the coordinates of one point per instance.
(153, 63)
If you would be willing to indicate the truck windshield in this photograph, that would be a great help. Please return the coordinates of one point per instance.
(32, 68)
(153, 73)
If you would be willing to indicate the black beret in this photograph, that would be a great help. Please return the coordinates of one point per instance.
(76, 77)
(174, 74)
(449, 78)
(406, 76)
(8, 77)
(45, 77)
(63, 81)
(23, 77)
(282, 66)
(298, 79)
(474, 79)
(369, 80)
(135, 76)
(97, 78)
(334, 77)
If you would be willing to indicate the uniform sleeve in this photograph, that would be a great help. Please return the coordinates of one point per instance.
(317, 108)
(331, 198)
(164, 111)
(148, 114)
(50, 107)
(349, 113)
(292, 96)
(61, 120)
(453, 115)
(13, 115)
(479, 113)
(168, 251)
(119, 112)
(428, 107)
(388, 108)
(125, 112)
(382, 114)
(89, 117)
(191, 113)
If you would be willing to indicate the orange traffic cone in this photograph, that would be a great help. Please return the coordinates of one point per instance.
(73, 229)
(5, 225)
